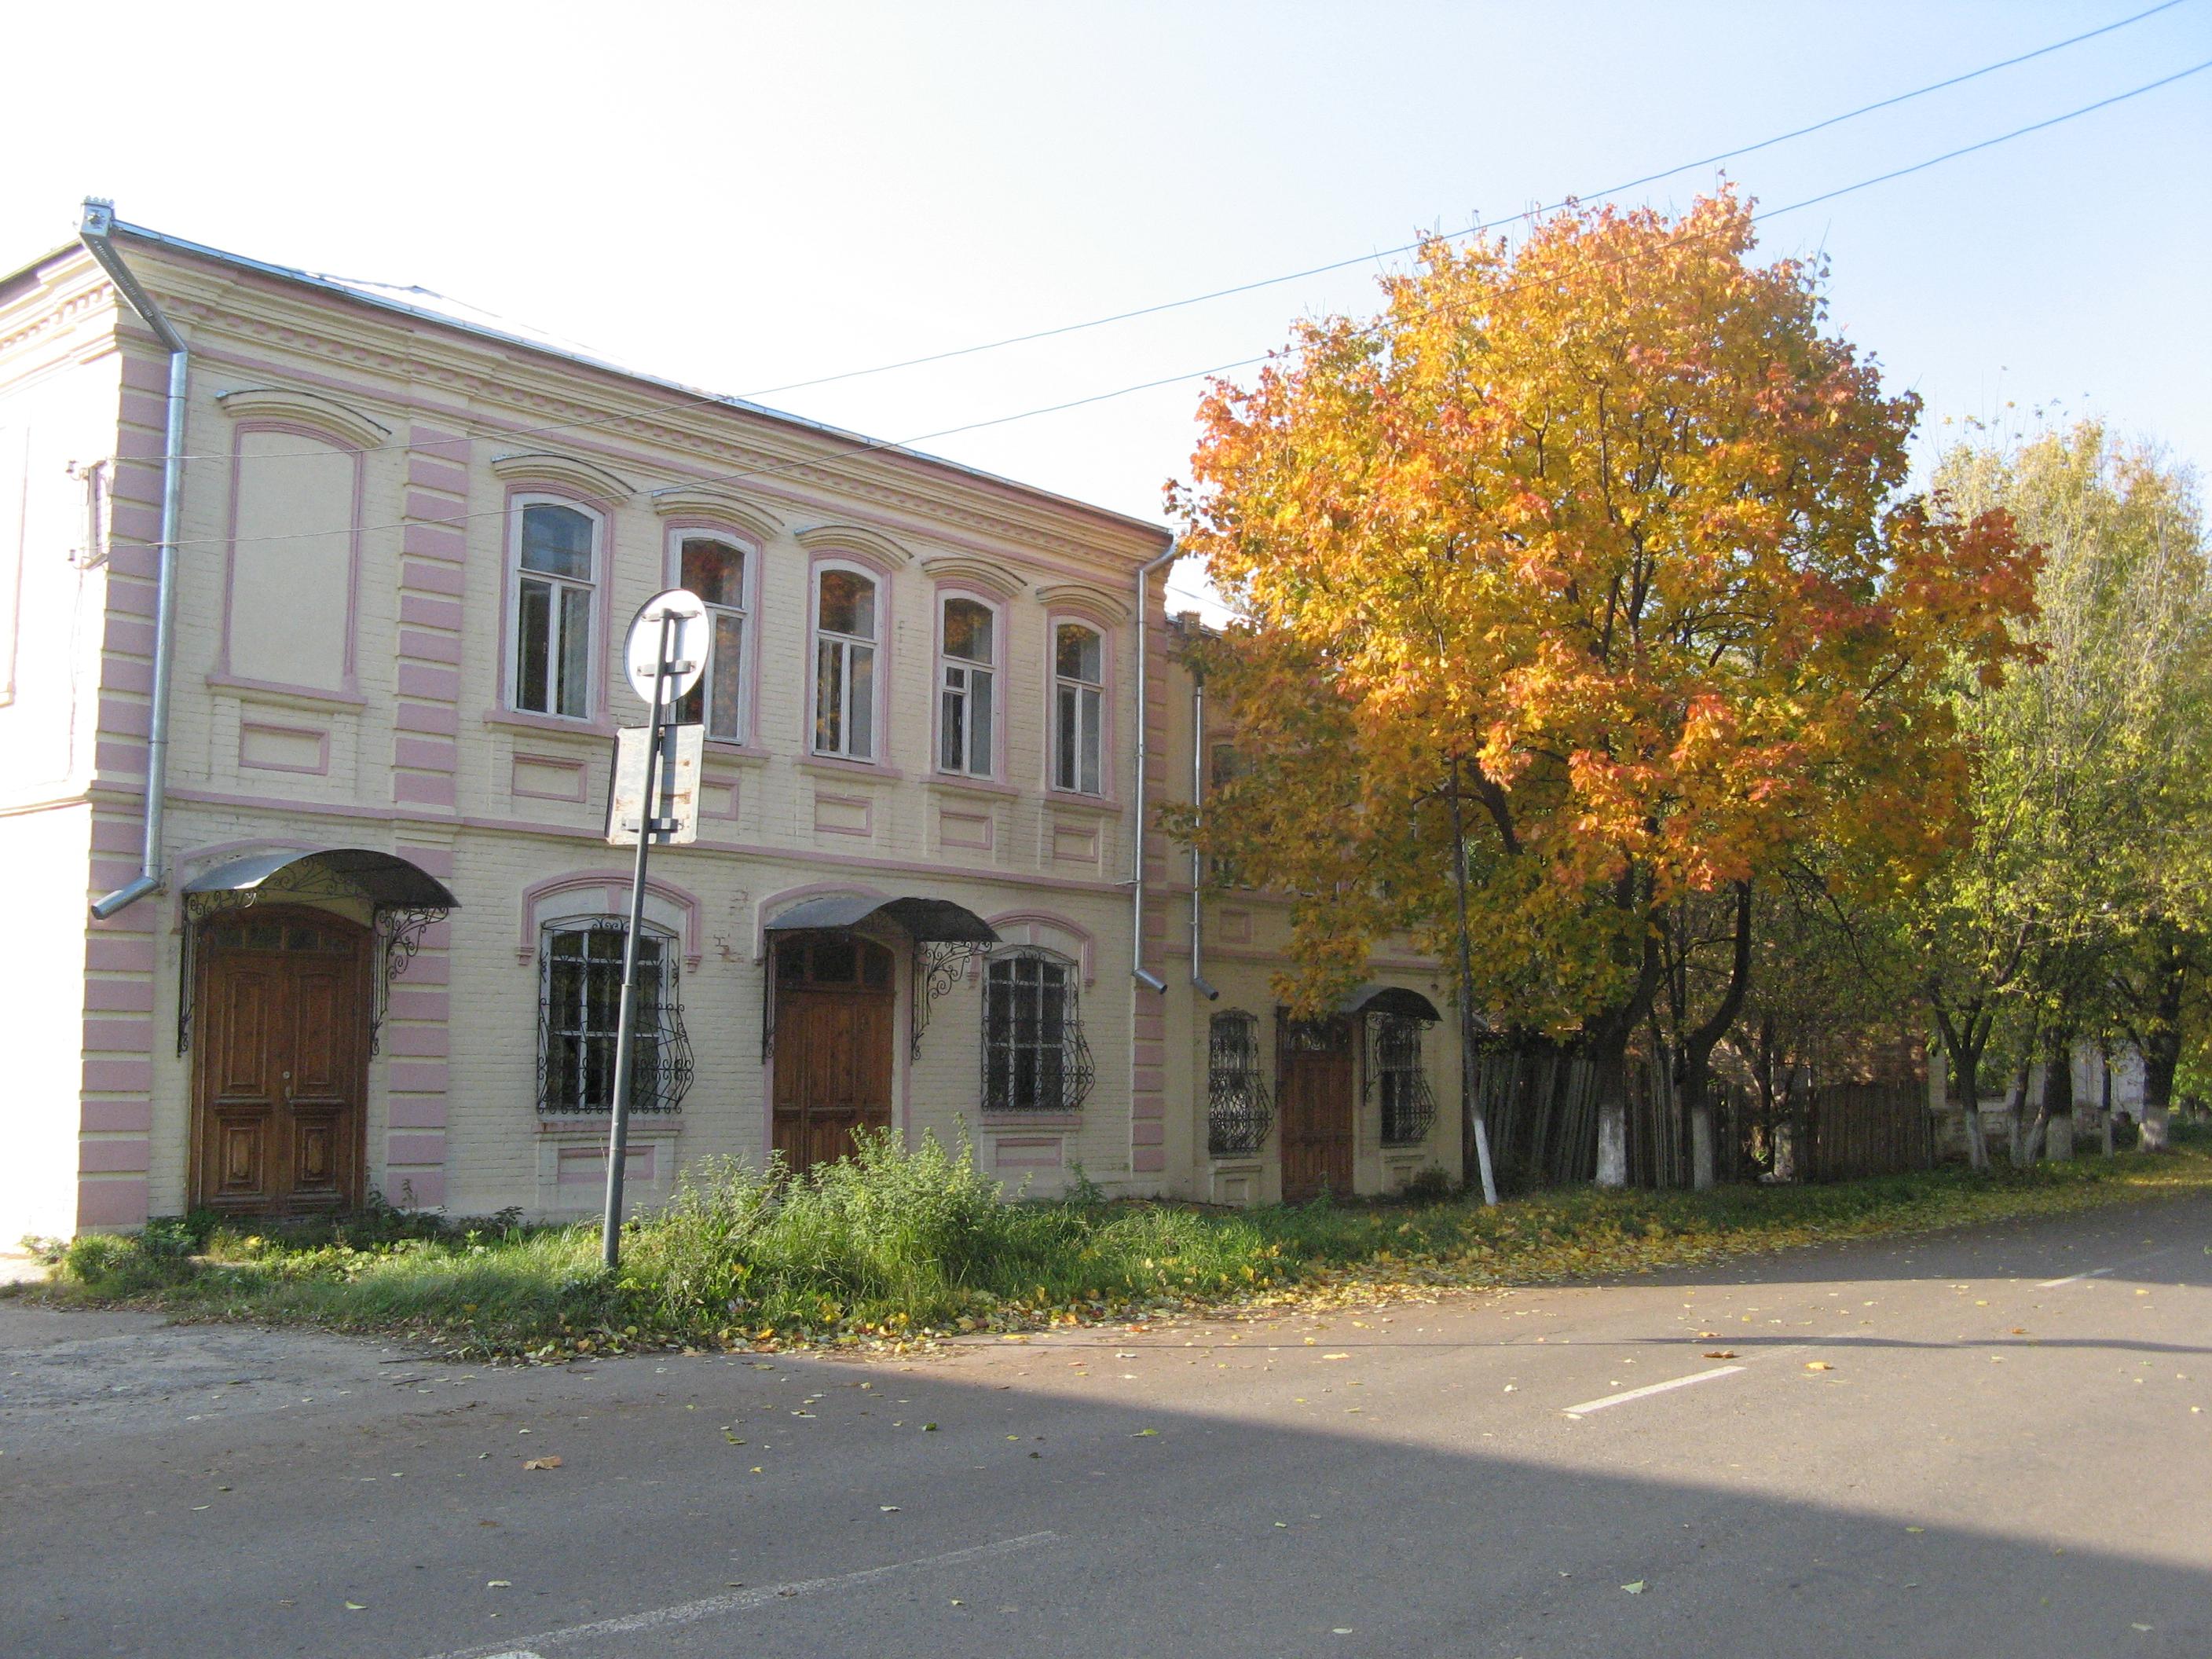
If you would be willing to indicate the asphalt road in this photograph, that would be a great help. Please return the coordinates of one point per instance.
(1982, 1443)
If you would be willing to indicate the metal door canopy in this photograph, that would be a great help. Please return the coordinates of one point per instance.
(931, 920)
(385, 881)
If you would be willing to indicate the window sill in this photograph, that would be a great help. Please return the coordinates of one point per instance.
(829, 766)
(742, 754)
(1027, 1120)
(303, 696)
(518, 719)
(1104, 805)
(596, 1124)
(952, 783)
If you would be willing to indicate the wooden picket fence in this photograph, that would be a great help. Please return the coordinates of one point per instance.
(1540, 1100)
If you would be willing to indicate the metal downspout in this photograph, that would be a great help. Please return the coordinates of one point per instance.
(1137, 969)
(92, 230)
(1198, 979)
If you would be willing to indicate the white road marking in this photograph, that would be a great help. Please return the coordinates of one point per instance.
(738, 1601)
(2073, 1279)
(1590, 1406)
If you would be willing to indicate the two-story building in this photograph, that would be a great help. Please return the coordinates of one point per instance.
(311, 603)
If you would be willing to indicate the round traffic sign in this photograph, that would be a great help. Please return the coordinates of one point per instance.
(687, 643)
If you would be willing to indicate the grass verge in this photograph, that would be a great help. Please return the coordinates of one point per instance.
(894, 1249)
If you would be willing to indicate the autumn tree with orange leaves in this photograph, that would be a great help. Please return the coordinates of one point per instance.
(1595, 549)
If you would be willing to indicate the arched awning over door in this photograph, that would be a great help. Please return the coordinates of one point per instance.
(944, 935)
(402, 897)
(1376, 998)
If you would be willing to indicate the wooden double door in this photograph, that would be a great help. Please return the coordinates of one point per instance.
(833, 1002)
(1317, 1099)
(281, 1070)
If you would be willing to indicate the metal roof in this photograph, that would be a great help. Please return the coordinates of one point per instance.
(385, 882)
(379, 297)
(932, 919)
(1376, 998)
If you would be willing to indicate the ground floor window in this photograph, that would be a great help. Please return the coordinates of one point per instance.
(1409, 1107)
(1035, 1059)
(580, 965)
(1238, 1112)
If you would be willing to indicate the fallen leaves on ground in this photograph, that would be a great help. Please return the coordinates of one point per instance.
(1721, 1353)
(541, 1462)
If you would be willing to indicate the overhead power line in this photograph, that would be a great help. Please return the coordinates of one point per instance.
(711, 400)
(865, 446)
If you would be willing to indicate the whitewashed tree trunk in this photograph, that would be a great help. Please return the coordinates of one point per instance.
(1612, 1144)
(1701, 1147)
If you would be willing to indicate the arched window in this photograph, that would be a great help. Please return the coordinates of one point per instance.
(556, 561)
(715, 571)
(967, 687)
(1035, 1059)
(1408, 1106)
(845, 664)
(1079, 708)
(579, 962)
(1238, 1112)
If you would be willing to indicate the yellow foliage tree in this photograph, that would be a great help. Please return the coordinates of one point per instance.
(1584, 564)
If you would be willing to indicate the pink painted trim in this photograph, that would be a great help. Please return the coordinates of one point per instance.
(118, 996)
(1148, 1160)
(424, 576)
(341, 811)
(321, 768)
(111, 1202)
(419, 1077)
(1086, 941)
(1146, 541)
(282, 689)
(679, 526)
(118, 1117)
(946, 818)
(426, 684)
(416, 1149)
(425, 788)
(125, 1155)
(535, 897)
(962, 587)
(880, 572)
(772, 905)
(835, 766)
(117, 1076)
(520, 495)
(1030, 1152)
(867, 806)
(576, 769)
(349, 679)
(440, 720)
(118, 1037)
(709, 788)
(419, 610)
(1032, 1121)
(416, 1112)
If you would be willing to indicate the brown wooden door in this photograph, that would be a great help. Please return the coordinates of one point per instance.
(1316, 1092)
(833, 1045)
(282, 1040)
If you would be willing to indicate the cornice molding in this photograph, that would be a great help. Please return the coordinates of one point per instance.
(528, 466)
(976, 573)
(1082, 599)
(853, 538)
(699, 502)
(276, 403)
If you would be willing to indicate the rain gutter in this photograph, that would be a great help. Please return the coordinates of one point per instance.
(93, 229)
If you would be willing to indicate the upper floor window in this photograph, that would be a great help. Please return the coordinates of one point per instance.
(556, 557)
(967, 677)
(1079, 708)
(1035, 1059)
(580, 1004)
(845, 664)
(715, 571)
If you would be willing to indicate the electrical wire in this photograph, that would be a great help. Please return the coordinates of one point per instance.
(709, 400)
(865, 446)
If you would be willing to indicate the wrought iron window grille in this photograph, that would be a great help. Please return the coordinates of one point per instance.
(397, 935)
(1035, 1058)
(579, 1009)
(1397, 1075)
(1239, 1111)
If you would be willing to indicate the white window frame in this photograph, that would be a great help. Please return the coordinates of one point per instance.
(874, 643)
(748, 660)
(517, 512)
(986, 765)
(1102, 687)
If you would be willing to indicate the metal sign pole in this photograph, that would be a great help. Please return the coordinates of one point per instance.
(626, 1028)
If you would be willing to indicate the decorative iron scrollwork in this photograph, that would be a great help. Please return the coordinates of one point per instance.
(938, 965)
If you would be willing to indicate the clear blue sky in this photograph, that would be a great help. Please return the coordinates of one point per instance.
(740, 195)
